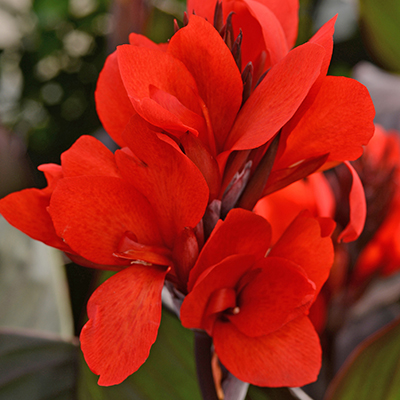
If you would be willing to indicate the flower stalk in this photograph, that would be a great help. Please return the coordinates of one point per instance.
(202, 350)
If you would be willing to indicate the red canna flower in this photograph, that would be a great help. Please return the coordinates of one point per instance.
(193, 130)
(193, 93)
(133, 211)
(253, 299)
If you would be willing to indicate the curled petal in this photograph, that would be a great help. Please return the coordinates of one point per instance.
(224, 275)
(130, 249)
(124, 316)
(27, 211)
(275, 292)
(53, 173)
(358, 208)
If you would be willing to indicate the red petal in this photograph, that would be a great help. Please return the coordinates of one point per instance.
(172, 184)
(302, 244)
(282, 207)
(185, 253)
(124, 316)
(52, 172)
(130, 249)
(290, 356)
(204, 8)
(276, 293)
(319, 313)
(89, 264)
(272, 32)
(277, 98)
(92, 213)
(280, 178)
(323, 194)
(170, 103)
(358, 208)
(112, 102)
(200, 47)
(339, 122)
(242, 232)
(287, 12)
(27, 211)
(167, 119)
(140, 40)
(253, 47)
(204, 161)
(223, 275)
(88, 156)
(324, 37)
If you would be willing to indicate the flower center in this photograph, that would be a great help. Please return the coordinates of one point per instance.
(222, 301)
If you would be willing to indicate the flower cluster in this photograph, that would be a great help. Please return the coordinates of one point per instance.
(223, 115)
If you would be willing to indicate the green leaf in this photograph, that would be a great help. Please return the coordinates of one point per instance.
(168, 373)
(381, 30)
(36, 368)
(372, 371)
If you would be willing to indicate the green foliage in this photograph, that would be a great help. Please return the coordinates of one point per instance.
(373, 371)
(257, 393)
(36, 368)
(380, 26)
